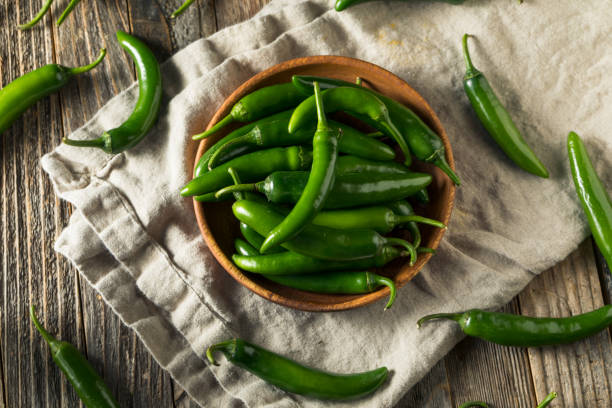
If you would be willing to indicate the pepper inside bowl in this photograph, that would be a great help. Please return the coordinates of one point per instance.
(220, 228)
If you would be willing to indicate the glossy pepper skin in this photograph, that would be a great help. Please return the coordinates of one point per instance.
(289, 263)
(17, 96)
(244, 248)
(495, 118)
(254, 239)
(318, 186)
(319, 242)
(202, 165)
(403, 207)
(344, 4)
(253, 166)
(521, 331)
(259, 104)
(423, 142)
(293, 377)
(86, 382)
(353, 100)
(595, 200)
(344, 282)
(146, 110)
(349, 190)
(275, 134)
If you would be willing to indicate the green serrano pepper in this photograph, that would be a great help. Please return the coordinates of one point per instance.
(254, 239)
(17, 96)
(344, 4)
(202, 166)
(344, 282)
(146, 111)
(349, 190)
(244, 248)
(82, 376)
(403, 207)
(521, 331)
(352, 100)
(289, 263)
(275, 134)
(496, 119)
(254, 165)
(259, 104)
(318, 186)
(423, 142)
(319, 242)
(290, 376)
(595, 200)
(483, 404)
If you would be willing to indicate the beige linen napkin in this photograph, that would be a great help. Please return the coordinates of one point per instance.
(136, 241)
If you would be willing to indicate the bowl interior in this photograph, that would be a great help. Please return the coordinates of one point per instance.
(220, 228)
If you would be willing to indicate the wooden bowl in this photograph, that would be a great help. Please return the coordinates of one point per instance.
(220, 228)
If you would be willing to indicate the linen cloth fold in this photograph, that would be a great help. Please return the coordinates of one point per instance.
(137, 242)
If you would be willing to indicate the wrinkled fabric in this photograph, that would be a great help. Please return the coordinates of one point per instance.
(137, 242)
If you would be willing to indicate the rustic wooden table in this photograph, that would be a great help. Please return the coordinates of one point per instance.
(31, 217)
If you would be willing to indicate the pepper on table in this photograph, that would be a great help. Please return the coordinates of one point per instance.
(496, 119)
(44, 9)
(522, 331)
(17, 96)
(293, 377)
(146, 111)
(86, 382)
(596, 202)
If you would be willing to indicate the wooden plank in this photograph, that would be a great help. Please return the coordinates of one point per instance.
(196, 22)
(433, 391)
(581, 372)
(230, 12)
(499, 375)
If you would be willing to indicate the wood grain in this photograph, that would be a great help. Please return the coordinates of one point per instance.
(31, 218)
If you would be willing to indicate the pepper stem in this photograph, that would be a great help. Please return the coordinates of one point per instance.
(215, 157)
(235, 189)
(180, 10)
(234, 174)
(218, 347)
(67, 11)
(378, 280)
(37, 17)
(51, 341)
(547, 400)
(452, 316)
(322, 120)
(403, 219)
(223, 122)
(466, 53)
(425, 250)
(99, 142)
(409, 247)
(80, 70)
(443, 165)
(399, 139)
(358, 81)
(206, 198)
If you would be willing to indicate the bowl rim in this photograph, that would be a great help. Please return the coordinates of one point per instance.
(241, 277)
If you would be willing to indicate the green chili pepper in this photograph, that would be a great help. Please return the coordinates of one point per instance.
(353, 100)
(202, 166)
(275, 134)
(244, 248)
(290, 263)
(26, 90)
(290, 376)
(45, 8)
(521, 331)
(254, 165)
(254, 238)
(542, 404)
(67, 11)
(403, 207)
(349, 190)
(353, 164)
(259, 104)
(595, 200)
(496, 119)
(86, 382)
(318, 186)
(344, 4)
(421, 196)
(379, 218)
(319, 242)
(181, 9)
(145, 113)
(423, 142)
(547, 400)
(344, 282)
